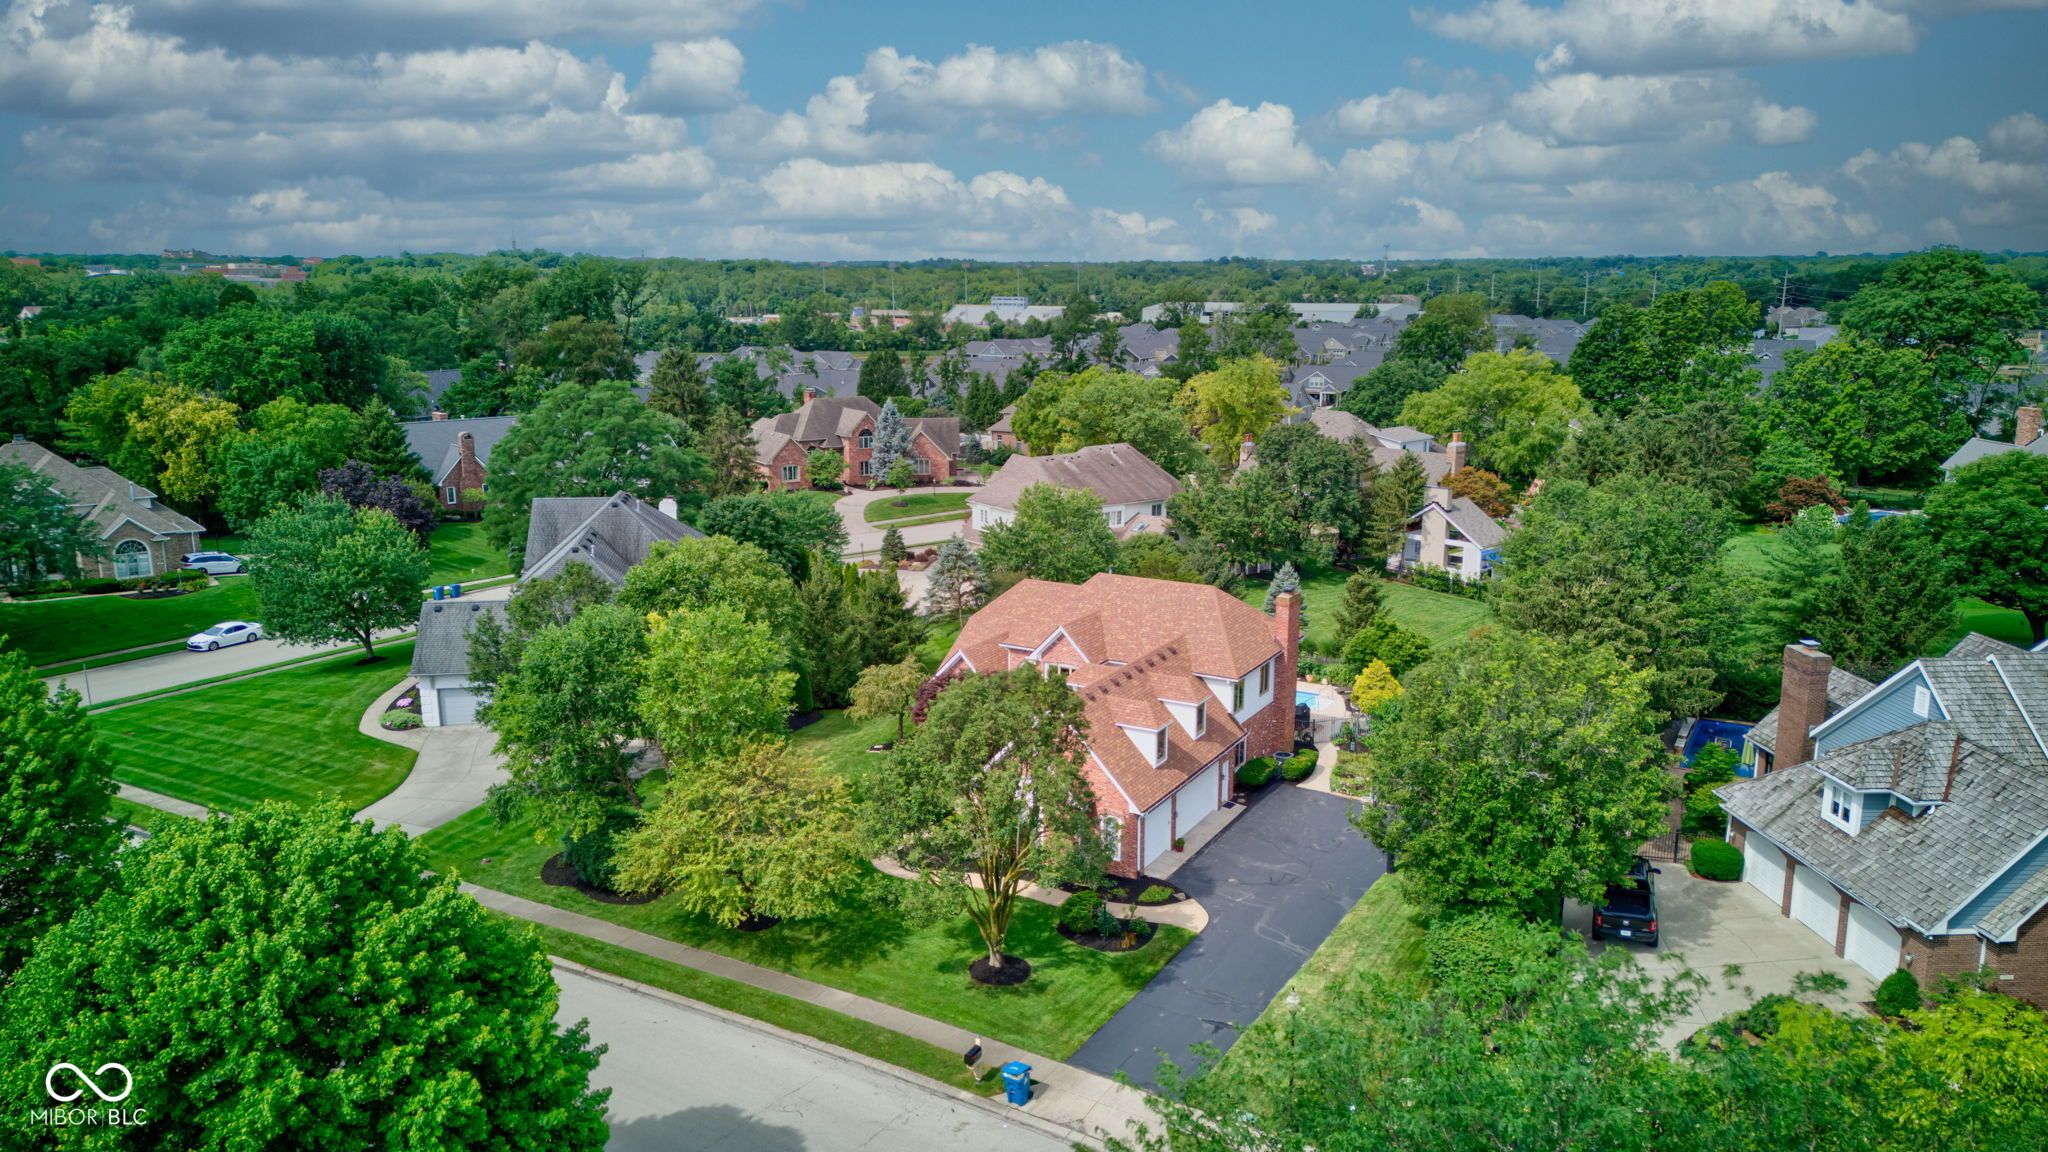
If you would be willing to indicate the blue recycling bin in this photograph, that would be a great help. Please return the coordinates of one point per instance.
(455, 591)
(1017, 1082)
(437, 591)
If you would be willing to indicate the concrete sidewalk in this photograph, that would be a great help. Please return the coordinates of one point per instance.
(161, 802)
(1188, 914)
(1072, 1097)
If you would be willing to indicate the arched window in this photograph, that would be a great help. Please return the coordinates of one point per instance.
(131, 560)
(867, 437)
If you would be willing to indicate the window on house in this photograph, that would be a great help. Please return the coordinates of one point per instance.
(867, 467)
(1237, 696)
(1116, 517)
(1159, 748)
(867, 438)
(919, 466)
(448, 494)
(791, 472)
(1265, 677)
(1159, 509)
(1201, 719)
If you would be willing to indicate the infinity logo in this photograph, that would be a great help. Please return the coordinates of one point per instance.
(50, 1085)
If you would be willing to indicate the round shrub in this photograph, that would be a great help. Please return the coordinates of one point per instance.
(401, 719)
(1079, 913)
(1715, 859)
(1253, 773)
(1299, 766)
(592, 854)
(1155, 894)
(1898, 994)
(1106, 923)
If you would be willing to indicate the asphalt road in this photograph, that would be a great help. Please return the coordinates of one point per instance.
(175, 669)
(684, 1080)
(1275, 882)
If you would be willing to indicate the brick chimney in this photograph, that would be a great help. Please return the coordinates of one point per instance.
(1287, 630)
(1802, 702)
(1246, 450)
(1457, 450)
(810, 394)
(466, 445)
(2026, 426)
(440, 415)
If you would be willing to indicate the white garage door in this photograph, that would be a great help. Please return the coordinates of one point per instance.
(1196, 798)
(1815, 904)
(1158, 835)
(1763, 866)
(1873, 945)
(458, 706)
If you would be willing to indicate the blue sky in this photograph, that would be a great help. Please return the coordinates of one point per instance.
(833, 130)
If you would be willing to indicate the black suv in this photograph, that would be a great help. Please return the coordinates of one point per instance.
(1629, 911)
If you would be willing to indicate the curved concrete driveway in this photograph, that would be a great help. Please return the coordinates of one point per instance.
(862, 538)
(1275, 882)
(454, 769)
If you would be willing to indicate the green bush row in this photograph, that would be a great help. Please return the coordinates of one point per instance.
(1299, 766)
(402, 719)
(1716, 859)
(1253, 773)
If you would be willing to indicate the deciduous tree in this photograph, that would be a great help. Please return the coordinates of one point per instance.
(41, 536)
(359, 487)
(1515, 407)
(332, 573)
(1991, 519)
(56, 784)
(1377, 396)
(1064, 413)
(692, 573)
(1374, 688)
(1240, 398)
(790, 526)
(1058, 534)
(887, 690)
(714, 680)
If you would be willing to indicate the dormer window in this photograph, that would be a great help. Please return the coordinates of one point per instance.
(1159, 749)
(1839, 805)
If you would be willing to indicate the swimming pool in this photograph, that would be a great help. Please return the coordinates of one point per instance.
(1307, 696)
(1725, 732)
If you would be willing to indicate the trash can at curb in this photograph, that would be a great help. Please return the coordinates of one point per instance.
(438, 591)
(1017, 1082)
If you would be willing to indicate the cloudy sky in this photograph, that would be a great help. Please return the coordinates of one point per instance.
(823, 129)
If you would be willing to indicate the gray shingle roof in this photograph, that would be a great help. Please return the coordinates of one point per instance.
(100, 495)
(1116, 473)
(1844, 689)
(611, 534)
(1977, 448)
(2005, 918)
(437, 442)
(1473, 521)
(442, 647)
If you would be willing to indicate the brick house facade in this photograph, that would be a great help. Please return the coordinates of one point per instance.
(457, 456)
(1181, 684)
(846, 425)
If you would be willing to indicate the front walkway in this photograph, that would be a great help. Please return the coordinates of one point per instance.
(1274, 883)
(1066, 1095)
(454, 769)
(863, 538)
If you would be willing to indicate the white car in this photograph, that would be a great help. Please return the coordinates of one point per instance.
(225, 633)
(212, 563)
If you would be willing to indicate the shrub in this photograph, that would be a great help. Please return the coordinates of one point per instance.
(1078, 914)
(400, 718)
(1478, 958)
(1253, 773)
(1716, 859)
(592, 853)
(95, 587)
(1299, 766)
(1106, 923)
(1155, 894)
(1898, 994)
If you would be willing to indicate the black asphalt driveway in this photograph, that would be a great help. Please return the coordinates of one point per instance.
(1274, 883)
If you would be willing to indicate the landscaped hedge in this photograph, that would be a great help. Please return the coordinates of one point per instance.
(1898, 994)
(1439, 580)
(1253, 773)
(1155, 894)
(1299, 766)
(1081, 911)
(401, 718)
(1716, 859)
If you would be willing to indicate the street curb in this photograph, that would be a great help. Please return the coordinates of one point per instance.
(1004, 1111)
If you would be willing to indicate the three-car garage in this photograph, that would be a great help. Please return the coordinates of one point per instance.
(1868, 940)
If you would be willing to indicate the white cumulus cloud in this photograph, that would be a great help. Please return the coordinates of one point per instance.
(686, 76)
(1227, 143)
(1669, 35)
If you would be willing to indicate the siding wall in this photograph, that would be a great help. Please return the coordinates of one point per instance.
(2022, 870)
(1886, 710)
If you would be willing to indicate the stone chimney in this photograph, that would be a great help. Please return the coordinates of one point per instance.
(1802, 702)
(440, 415)
(810, 394)
(1246, 451)
(1457, 450)
(667, 507)
(2026, 426)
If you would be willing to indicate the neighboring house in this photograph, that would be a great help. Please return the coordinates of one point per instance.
(1453, 534)
(1795, 317)
(1910, 827)
(1181, 683)
(457, 455)
(140, 536)
(1004, 431)
(610, 534)
(846, 424)
(1133, 489)
(1008, 309)
(1387, 444)
(2026, 438)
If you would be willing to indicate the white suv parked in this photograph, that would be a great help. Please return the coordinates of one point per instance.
(213, 563)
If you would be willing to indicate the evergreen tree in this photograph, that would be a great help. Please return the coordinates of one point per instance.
(1285, 580)
(727, 445)
(55, 784)
(826, 639)
(1363, 599)
(885, 629)
(1894, 598)
(1396, 495)
(882, 376)
(679, 388)
(379, 443)
(958, 584)
(893, 549)
(892, 439)
(983, 404)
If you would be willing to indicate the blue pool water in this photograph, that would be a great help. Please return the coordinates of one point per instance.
(1705, 732)
(1305, 696)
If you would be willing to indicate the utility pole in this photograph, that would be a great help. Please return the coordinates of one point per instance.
(1489, 287)
(1586, 298)
(1386, 251)
(1785, 289)
(1653, 287)
(1539, 293)
(1457, 283)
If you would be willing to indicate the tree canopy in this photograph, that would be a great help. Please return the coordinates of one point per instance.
(332, 573)
(1058, 534)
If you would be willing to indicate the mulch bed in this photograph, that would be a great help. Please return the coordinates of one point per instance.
(1125, 890)
(1107, 943)
(408, 701)
(557, 874)
(1015, 970)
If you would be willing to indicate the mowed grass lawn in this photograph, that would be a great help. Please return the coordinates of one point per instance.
(867, 947)
(1749, 553)
(918, 504)
(458, 551)
(285, 735)
(1441, 618)
(51, 631)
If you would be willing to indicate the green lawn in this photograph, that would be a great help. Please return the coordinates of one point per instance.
(1441, 618)
(52, 631)
(782, 1011)
(921, 504)
(843, 745)
(143, 816)
(286, 735)
(1382, 935)
(459, 553)
(868, 948)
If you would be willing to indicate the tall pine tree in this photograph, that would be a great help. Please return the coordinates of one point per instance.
(957, 581)
(892, 439)
(679, 388)
(1396, 494)
(379, 443)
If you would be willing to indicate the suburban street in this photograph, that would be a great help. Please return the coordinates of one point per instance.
(172, 669)
(684, 1079)
(861, 537)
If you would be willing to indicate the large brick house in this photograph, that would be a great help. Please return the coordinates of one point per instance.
(1908, 826)
(457, 455)
(1181, 683)
(846, 424)
(138, 536)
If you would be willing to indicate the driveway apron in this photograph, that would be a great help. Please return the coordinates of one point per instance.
(1274, 883)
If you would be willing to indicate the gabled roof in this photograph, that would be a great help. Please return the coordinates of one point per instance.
(1844, 689)
(825, 421)
(1222, 635)
(100, 495)
(1470, 519)
(437, 443)
(442, 646)
(1115, 473)
(1977, 448)
(608, 533)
